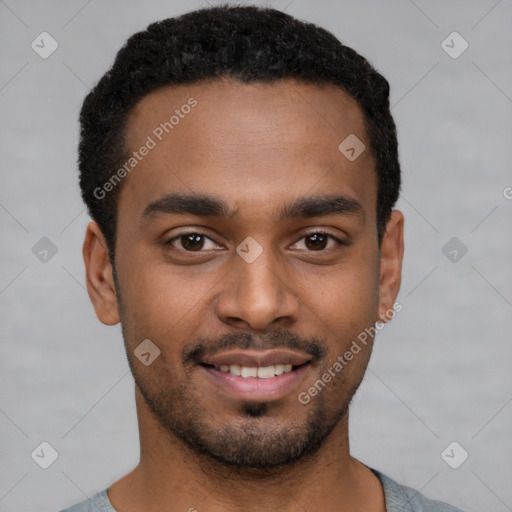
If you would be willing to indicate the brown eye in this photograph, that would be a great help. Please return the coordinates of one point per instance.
(316, 241)
(192, 242)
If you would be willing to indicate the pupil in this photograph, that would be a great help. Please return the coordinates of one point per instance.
(316, 241)
(192, 242)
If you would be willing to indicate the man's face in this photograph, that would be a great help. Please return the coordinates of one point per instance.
(286, 276)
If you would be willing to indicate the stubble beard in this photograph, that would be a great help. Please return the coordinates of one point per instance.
(256, 439)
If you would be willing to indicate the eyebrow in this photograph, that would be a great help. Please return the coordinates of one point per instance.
(203, 205)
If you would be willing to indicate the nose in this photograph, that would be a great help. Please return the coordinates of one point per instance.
(257, 294)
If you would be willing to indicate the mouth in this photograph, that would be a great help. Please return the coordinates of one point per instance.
(257, 376)
(254, 372)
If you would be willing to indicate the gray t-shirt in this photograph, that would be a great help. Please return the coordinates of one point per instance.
(399, 498)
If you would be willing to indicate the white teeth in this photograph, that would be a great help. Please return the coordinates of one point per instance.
(261, 372)
(279, 369)
(266, 372)
(235, 369)
(249, 372)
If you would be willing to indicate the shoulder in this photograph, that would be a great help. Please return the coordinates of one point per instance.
(406, 499)
(98, 503)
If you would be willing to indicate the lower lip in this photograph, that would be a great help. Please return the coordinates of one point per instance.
(255, 389)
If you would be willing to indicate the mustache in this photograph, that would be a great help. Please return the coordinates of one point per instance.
(204, 347)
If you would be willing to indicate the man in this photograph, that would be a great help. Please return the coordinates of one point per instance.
(241, 168)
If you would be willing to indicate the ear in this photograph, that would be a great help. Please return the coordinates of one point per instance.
(100, 281)
(392, 251)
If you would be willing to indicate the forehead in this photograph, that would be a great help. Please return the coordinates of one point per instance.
(325, 112)
(247, 143)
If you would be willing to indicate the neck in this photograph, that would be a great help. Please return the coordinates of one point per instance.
(171, 476)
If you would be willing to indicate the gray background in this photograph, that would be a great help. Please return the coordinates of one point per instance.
(440, 371)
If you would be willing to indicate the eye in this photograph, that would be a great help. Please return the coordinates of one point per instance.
(192, 242)
(319, 241)
(316, 241)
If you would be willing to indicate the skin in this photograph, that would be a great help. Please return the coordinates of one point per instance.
(256, 147)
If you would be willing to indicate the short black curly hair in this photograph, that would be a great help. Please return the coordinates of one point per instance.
(250, 44)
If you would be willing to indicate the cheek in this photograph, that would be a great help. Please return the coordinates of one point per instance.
(161, 302)
(345, 314)
(346, 299)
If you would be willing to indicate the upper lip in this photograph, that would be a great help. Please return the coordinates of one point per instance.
(250, 358)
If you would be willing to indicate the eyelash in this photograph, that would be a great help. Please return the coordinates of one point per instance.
(196, 232)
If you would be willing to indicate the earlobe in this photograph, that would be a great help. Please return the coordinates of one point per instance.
(99, 278)
(392, 251)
